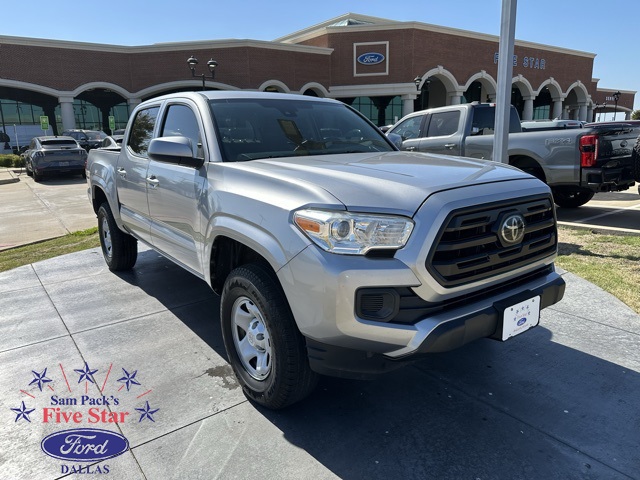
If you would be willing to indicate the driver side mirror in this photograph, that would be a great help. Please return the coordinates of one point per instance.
(395, 139)
(174, 150)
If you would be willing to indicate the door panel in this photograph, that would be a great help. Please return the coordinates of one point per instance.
(443, 134)
(131, 173)
(175, 192)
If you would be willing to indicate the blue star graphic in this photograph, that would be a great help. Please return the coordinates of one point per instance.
(40, 378)
(23, 412)
(146, 412)
(129, 379)
(86, 373)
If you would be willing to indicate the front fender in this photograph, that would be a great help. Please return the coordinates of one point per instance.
(276, 247)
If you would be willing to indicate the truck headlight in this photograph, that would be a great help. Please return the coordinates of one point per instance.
(353, 233)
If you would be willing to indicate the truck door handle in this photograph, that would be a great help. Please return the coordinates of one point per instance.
(410, 149)
(153, 181)
(122, 172)
(449, 146)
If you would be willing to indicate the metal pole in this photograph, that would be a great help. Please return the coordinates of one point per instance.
(505, 74)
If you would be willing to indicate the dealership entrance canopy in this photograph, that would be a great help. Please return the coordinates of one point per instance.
(384, 68)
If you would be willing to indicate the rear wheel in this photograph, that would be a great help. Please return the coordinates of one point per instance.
(120, 250)
(263, 343)
(568, 197)
(37, 177)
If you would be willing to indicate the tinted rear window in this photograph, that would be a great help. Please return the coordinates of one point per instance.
(484, 119)
(58, 143)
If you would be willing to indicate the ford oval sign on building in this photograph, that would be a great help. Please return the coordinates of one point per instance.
(371, 58)
(84, 445)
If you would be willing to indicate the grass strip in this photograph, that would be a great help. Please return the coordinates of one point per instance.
(610, 261)
(35, 252)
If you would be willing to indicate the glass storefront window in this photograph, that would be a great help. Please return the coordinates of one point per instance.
(87, 115)
(393, 112)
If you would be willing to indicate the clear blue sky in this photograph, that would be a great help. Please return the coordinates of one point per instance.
(605, 28)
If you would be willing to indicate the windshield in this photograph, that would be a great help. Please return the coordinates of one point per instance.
(250, 129)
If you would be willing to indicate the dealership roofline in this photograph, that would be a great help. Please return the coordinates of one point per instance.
(163, 47)
(376, 23)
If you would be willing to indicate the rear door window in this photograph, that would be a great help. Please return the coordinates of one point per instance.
(443, 124)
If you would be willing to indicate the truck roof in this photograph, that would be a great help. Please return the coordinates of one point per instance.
(233, 94)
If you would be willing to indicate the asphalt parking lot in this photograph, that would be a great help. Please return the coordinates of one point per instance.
(560, 402)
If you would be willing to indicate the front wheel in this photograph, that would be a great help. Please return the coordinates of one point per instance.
(120, 250)
(263, 343)
(571, 197)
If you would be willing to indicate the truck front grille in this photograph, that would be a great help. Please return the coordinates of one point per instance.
(468, 247)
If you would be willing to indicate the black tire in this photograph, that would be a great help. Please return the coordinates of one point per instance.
(29, 172)
(253, 296)
(120, 250)
(571, 197)
(37, 177)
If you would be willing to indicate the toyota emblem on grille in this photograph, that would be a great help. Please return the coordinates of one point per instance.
(512, 229)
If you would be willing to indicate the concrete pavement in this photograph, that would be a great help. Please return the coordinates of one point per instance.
(31, 212)
(559, 402)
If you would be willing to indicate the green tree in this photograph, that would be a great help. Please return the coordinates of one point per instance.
(635, 115)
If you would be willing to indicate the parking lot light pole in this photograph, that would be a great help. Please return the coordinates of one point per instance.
(211, 64)
(616, 97)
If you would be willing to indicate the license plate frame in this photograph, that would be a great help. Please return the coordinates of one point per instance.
(520, 317)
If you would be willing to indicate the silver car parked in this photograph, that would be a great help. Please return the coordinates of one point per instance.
(49, 155)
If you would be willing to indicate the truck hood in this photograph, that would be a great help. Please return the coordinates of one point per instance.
(393, 182)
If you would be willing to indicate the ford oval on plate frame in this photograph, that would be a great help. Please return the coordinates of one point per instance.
(371, 58)
(84, 444)
(520, 317)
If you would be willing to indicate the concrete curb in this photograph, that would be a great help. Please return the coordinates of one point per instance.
(7, 176)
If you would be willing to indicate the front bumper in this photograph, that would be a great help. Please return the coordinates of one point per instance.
(341, 343)
(433, 335)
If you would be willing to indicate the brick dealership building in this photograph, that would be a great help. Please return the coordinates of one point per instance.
(385, 69)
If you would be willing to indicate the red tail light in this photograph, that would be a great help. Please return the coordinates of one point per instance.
(588, 150)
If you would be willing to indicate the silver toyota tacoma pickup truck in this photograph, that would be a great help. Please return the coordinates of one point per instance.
(333, 252)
